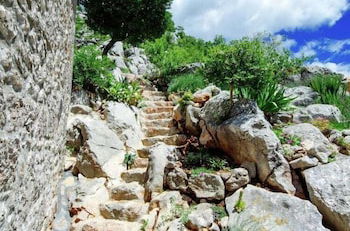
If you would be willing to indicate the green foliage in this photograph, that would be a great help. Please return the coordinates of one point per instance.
(186, 83)
(129, 93)
(200, 170)
(340, 125)
(186, 99)
(287, 139)
(333, 91)
(332, 157)
(205, 160)
(144, 225)
(92, 72)
(128, 20)
(250, 63)
(174, 50)
(83, 31)
(219, 212)
(270, 98)
(240, 204)
(129, 159)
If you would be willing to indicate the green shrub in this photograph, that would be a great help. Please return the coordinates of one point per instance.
(333, 91)
(270, 99)
(186, 99)
(186, 83)
(250, 63)
(92, 72)
(206, 160)
(129, 159)
(200, 170)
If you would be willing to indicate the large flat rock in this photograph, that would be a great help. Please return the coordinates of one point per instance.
(329, 190)
(267, 210)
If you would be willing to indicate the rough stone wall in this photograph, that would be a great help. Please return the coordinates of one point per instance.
(36, 44)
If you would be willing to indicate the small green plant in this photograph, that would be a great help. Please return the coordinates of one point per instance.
(240, 204)
(129, 160)
(332, 157)
(343, 125)
(287, 139)
(125, 70)
(219, 212)
(144, 225)
(200, 171)
(186, 83)
(217, 163)
(205, 159)
(186, 99)
(322, 124)
(129, 93)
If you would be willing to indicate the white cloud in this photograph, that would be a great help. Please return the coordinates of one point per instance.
(342, 68)
(309, 49)
(237, 18)
(336, 46)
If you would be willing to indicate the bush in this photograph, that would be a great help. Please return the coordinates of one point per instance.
(270, 99)
(185, 100)
(250, 63)
(333, 91)
(206, 160)
(92, 72)
(186, 83)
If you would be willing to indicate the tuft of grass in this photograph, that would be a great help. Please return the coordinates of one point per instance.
(219, 212)
(287, 139)
(332, 157)
(186, 83)
(200, 170)
(240, 204)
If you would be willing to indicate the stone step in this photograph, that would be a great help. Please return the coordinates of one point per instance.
(164, 123)
(152, 93)
(175, 140)
(159, 131)
(154, 98)
(152, 110)
(134, 175)
(158, 103)
(155, 116)
(122, 210)
(128, 191)
(140, 163)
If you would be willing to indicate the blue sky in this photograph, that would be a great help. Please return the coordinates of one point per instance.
(320, 28)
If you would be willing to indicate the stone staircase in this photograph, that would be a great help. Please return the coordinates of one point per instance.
(127, 199)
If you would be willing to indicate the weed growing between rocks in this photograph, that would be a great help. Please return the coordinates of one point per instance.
(287, 139)
(129, 159)
(240, 204)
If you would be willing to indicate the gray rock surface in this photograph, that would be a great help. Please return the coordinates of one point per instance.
(304, 96)
(160, 156)
(192, 120)
(36, 54)
(129, 191)
(313, 141)
(122, 119)
(203, 95)
(317, 111)
(273, 211)
(245, 126)
(176, 179)
(239, 177)
(304, 162)
(126, 211)
(329, 189)
(200, 218)
(207, 186)
(80, 109)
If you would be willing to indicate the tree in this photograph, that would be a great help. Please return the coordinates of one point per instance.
(128, 20)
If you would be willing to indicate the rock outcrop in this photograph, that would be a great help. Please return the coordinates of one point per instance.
(303, 96)
(241, 130)
(36, 54)
(317, 111)
(329, 189)
(266, 210)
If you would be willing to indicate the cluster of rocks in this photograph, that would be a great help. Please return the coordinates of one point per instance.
(240, 129)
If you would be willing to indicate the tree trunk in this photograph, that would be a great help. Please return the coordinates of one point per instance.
(109, 46)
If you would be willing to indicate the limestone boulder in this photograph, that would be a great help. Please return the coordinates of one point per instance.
(80, 109)
(304, 162)
(202, 217)
(304, 96)
(242, 124)
(160, 156)
(101, 224)
(239, 178)
(192, 120)
(317, 111)
(207, 186)
(329, 189)
(101, 151)
(203, 95)
(127, 191)
(125, 211)
(123, 120)
(266, 210)
(176, 179)
(313, 141)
